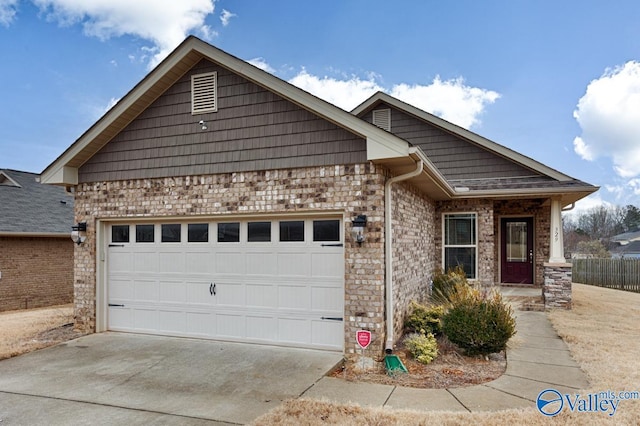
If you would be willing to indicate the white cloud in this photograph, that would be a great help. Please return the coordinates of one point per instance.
(609, 116)
(7, 11)
(225, 16)
(346, 94)
(451, 99)
(163, 23)
(262, 64)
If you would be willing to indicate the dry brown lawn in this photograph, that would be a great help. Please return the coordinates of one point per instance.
(28, 330)
(603, 334)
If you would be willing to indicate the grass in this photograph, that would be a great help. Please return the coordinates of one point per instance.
(602, 333)
(21, 331)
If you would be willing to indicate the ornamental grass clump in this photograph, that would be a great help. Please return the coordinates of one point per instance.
(446, 285)
(423, 347)
(480, 324)
(424, 319)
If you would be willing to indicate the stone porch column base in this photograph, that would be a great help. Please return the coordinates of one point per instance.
(556, 290)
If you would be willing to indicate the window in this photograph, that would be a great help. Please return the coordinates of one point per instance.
(229, 232)
(292, 230)
(460, 242)
(259, 231)
(120, 234)
(203, 93)
(198, 233)
(326, 230)
(144, 233)
(171, 233)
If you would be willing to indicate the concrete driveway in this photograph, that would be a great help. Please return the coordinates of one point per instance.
(117, 378)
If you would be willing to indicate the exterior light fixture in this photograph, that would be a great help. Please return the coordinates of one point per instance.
(357, 228)
(79, 233)
(203, 124)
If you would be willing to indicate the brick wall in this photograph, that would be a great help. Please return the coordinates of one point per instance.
(353, 189)
(36, 272)
(413, 253)
(487, 274)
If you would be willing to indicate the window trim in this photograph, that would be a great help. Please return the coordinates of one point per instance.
(445, 246)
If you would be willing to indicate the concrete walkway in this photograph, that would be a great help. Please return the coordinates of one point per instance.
(539, 360)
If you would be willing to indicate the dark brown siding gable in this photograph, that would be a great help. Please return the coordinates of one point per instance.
(253, 129)
(455, 157)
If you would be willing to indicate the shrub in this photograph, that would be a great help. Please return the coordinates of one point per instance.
(479, 325)
(424, 319)
(423, 347)
(447, 284)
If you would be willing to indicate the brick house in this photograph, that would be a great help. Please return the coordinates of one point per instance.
(36, 253)
(220, 203)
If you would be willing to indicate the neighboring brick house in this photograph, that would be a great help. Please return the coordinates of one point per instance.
(219, 203)
(36, 253)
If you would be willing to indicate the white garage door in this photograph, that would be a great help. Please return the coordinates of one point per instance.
(265, 281)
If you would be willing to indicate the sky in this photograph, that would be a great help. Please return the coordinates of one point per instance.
(558, 81)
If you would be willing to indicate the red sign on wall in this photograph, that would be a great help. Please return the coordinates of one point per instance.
(363, 337)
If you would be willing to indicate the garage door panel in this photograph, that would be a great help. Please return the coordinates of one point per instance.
(273, 292)
(200, 324)
(327, 333)
(121, 289)
(230, 325)
(172, 321)
(230, 263)
(294, 330)
(145, 320)
(120, 318)
(172, 262)
(120, 261)
(294, 297)
(199, 262)
(261, 295)
(145, 262)
(145, 290)
(198, 293)
(231, 294)
(173, 291)
(261, 263)
(293, 264)
(262, 328)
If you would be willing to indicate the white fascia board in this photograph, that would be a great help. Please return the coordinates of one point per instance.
(59, 174)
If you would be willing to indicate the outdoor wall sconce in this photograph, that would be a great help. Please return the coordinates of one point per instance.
(79, 233)
(357, 228)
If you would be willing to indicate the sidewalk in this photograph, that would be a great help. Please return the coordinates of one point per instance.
(540, 360)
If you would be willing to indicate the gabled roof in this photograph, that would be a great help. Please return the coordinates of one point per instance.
(544, 181)
(29, 208)
(383, 147)
(475, 138)
(64, 170)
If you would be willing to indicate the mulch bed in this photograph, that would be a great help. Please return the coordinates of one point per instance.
(449, 370)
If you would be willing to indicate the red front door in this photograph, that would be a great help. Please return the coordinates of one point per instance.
(517, 250)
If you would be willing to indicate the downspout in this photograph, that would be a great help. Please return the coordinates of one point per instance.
(388, 246)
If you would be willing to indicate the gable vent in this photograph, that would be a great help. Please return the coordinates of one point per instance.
(203, 93)
(382, 119)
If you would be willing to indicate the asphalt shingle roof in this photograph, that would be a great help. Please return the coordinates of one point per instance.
(32, 207)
